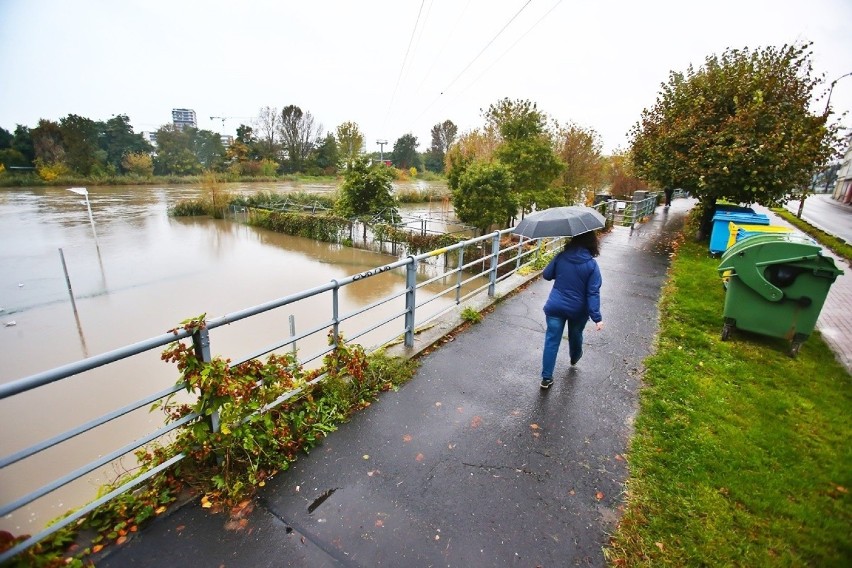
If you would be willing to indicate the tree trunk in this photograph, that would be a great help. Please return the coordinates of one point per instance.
(705, 226)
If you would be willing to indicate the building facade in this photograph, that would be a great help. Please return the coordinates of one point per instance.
(843, 187)
(183, 117)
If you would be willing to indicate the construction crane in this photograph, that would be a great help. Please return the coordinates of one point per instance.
(224, 118)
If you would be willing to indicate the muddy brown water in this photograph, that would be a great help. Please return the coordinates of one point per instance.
(136, 276)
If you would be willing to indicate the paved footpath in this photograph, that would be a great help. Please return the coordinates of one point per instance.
(470, 463)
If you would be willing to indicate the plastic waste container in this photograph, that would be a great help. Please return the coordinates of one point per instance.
(777, 286)
(721, 223)
(737, 233)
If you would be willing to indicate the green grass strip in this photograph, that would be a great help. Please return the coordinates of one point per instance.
(838, 246)
(741, 455)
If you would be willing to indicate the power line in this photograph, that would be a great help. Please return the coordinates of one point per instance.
(506, 25)
(404, 59)
(439, 95)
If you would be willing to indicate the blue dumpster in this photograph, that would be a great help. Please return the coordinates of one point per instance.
(721, 229)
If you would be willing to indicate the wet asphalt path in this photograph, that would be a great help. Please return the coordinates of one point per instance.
(470, 463)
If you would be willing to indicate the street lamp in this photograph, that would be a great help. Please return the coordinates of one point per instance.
(825, 116)
(381, 144)
(85, 193)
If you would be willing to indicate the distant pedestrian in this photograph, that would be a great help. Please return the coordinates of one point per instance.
(574, 299)
(669, 193)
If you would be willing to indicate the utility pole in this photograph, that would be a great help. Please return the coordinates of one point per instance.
(381, 144)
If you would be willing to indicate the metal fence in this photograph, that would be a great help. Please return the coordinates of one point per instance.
(463, 275)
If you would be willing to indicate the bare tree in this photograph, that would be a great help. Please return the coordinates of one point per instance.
(299, 133)
(268, 124)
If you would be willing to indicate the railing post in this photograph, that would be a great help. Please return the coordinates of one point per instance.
(201, 345)
(335, 312)
(520, 252)
(410, 300)
(495, 255)
(460, 276)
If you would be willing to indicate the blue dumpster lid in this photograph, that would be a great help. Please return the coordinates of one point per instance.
(741, 217)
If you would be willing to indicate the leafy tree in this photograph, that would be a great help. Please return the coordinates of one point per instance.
(175, 153)
(47, 142)
(620, 174)
(443, 134)
(350, 140)
(80, 141)
(6, 139)
(738, 128)
(527, 151)
(298, 132)
(476, 145)
(483, 195)
(580, 150)
(139, 164)
(23, 143)
(208, 148)
(10, 155)
(366, 190)
(327, 155)
(117, 139)
(405, 154)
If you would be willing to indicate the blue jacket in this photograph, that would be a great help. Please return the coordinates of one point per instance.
(576, 292)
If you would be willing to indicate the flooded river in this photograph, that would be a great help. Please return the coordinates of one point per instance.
(137, 275)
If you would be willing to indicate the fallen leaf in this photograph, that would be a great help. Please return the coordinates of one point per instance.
(534, 426)
(261, 484)
(380, 523)
(160, 509)
(179, 528)
(366, 456)
(572, 492)
(476, 422)
(406, 438)
(438, 404)
(842, 489)
(659, 545)
(420, 457)
(121, 540)
(97, 548)
(205, 502)
(536, 434)
(134, 528)
(599, 495)
(451, 446)
(619, 457)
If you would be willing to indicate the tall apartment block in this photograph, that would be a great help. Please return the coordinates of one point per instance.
(183, 117)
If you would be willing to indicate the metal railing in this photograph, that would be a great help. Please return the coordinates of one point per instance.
(470, 274)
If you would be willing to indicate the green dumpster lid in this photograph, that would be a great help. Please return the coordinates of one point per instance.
(748, 258)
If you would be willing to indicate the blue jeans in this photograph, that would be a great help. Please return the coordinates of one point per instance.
(553, 337)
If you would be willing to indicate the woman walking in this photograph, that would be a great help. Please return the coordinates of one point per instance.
(574, 299)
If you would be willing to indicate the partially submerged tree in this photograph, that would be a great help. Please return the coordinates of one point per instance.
(483, 195)
(739, 128)
(366, 191)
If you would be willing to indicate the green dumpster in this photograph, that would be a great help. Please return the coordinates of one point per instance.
(777, 284)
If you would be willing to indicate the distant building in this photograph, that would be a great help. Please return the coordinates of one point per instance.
(226, 139)
(150, 137)
(183, 117)
(843, 188)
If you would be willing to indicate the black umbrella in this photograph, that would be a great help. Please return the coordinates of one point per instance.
(560, 222)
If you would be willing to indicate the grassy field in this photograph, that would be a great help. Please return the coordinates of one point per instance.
(741, 455)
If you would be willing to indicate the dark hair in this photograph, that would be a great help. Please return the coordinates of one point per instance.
(588, 241)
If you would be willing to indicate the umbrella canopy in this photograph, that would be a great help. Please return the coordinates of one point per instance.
(560, 222)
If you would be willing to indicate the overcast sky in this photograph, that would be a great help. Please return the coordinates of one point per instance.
(392, 66)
